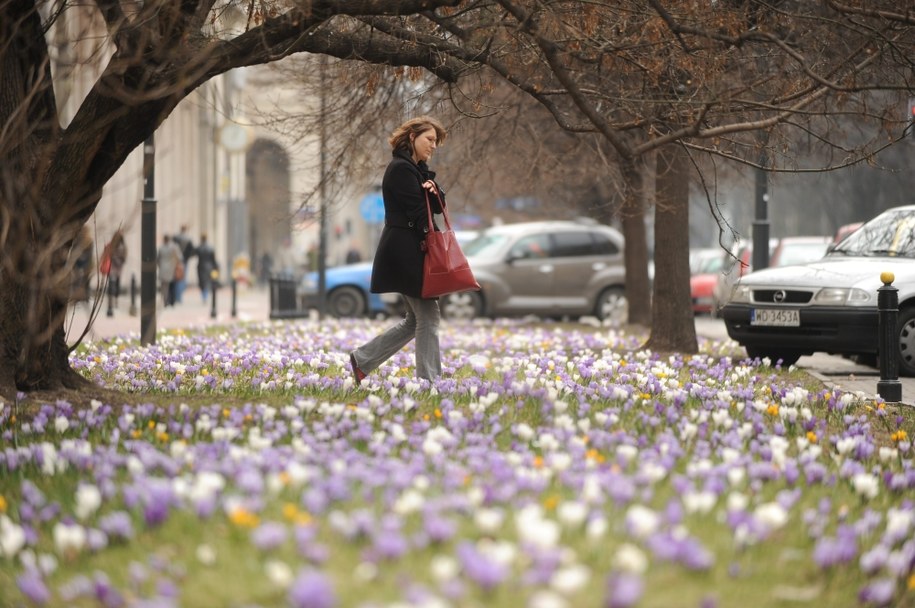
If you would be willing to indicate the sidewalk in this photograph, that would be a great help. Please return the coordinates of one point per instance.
(251, 304)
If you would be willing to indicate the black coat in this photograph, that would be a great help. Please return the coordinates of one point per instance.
(398, 265)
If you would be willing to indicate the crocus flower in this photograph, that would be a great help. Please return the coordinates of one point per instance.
(33, 587)
(12, 537)
(311, 589)
(269, 535)
(879, 592)
(624, 590)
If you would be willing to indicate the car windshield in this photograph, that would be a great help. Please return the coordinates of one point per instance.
(486, 245)
(888, 234)
(799, 253)
(711, 265)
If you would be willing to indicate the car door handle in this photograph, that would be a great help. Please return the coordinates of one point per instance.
(544, 268)
(598, 266)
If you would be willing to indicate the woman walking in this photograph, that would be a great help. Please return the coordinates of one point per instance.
(398, 265)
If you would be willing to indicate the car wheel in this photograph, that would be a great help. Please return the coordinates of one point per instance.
(612, 306)
(346, 302)
(787, 357)
(467, 305)
(906, 332)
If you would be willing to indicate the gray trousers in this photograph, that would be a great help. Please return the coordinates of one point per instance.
(421, 322)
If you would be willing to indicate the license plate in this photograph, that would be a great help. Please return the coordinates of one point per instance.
(772, 317)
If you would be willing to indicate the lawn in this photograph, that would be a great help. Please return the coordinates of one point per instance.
(555, 465)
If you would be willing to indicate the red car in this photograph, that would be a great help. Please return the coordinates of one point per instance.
(702, 283)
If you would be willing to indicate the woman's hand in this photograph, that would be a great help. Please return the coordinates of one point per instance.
(430, 186)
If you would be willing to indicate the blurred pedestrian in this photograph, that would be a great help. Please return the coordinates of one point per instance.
(206, 265)
(398, 265)
(114, 257)
(266, 268)
(186, 247)
(168, 259)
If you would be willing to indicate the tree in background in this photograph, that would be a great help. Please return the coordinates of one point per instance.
(709, 77)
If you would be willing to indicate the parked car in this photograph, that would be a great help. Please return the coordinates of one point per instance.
(845, 230)
(799, 250)
(553, 268)
(347, 291)
(703, 280)
(347, 288)
(736, 263)
(700, 256)
(830, 305)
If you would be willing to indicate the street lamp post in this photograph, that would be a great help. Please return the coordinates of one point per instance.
(761, 219)
(148, 283)
(322, 221)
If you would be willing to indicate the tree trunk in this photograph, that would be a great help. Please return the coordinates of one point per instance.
(638, 287)
(673, 327)
(34, 354)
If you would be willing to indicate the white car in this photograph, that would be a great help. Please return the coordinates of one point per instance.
(831, 305)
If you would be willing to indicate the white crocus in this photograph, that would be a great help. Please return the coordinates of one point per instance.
(642, 521)
(206, 554)
(629, 558)
(771, 515)
(866, 485)
(444, 568)
(61, 424)
(69, 537)
(12, 537)
(572, 513)
(699, 502)
(278, 572)
(88, 500)
(545, 598)
(570, 579)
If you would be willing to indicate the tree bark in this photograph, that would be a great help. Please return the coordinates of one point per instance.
(638, 286)
(673, 326)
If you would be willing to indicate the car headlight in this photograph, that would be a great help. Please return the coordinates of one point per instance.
(842, 295)
(741, 294)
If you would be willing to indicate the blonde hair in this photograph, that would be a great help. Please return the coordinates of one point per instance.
(400, 138)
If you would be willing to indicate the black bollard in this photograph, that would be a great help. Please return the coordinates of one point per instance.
(889, 386)
(213, 301)
(110, 311)
(133, 295)
(234, 298)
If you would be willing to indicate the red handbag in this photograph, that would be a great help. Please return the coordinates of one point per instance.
(445, 269)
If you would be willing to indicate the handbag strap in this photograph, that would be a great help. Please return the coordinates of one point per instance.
(429, 211)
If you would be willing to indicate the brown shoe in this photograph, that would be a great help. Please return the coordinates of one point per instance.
(358, 374)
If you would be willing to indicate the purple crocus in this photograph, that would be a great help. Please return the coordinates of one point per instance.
(311, 589)
(32, 586)
(624, 590)
(485, 572)
(117, 525)
(878, 592)
(269, 535)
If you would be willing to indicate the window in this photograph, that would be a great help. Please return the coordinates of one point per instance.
(532, 247)
(573, 244)
(603, 245)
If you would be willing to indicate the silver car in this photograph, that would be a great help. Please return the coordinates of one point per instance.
(553, 269)
(831, 305)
